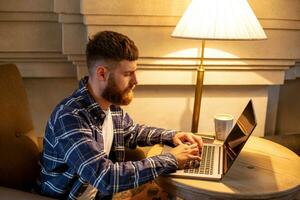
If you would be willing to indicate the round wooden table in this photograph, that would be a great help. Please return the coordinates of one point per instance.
(263, 170)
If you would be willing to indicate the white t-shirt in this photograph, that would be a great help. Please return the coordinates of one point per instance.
(108, 136)
(107, 132)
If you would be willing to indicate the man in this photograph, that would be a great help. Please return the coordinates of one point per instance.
(86, 135)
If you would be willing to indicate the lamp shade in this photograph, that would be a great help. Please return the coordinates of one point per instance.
(219, 20)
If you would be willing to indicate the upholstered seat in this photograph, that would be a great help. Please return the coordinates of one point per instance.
(19, 149)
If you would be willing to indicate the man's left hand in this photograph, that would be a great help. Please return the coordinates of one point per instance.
(184, 137)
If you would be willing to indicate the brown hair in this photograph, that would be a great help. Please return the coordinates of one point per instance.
(109, 46)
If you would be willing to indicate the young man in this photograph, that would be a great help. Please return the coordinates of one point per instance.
(86, 135)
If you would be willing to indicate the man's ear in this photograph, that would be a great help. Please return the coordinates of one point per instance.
(101, 73)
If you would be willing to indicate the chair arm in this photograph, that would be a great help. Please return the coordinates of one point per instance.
(8, 193)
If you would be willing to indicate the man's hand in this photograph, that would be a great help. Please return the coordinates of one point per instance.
(185, 153)
(183, 137)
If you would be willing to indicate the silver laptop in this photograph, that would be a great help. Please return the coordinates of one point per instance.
(218, 158)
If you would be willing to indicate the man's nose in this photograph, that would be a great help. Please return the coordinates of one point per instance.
(134, 79)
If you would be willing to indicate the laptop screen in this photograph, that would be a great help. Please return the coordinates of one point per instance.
(238, 136)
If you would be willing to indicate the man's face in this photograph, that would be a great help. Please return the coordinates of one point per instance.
(121, 81)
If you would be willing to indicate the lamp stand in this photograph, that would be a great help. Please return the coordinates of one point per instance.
(198, 91)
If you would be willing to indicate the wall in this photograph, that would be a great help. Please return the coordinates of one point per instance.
(31, 37)
(46, 39)
(44, 94)
(171, 107)
(289, 108)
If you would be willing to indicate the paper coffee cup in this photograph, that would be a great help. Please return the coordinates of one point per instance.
(223, 125)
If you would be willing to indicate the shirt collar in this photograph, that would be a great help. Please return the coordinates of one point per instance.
(92, 106)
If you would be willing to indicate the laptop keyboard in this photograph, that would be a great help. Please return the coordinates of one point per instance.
(206, 164)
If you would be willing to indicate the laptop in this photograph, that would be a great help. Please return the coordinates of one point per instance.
(218, 158)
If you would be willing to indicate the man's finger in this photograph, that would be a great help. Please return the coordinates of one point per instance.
(194, 150)
(177, 141)
(193, 146)
(190, 138)
(199, 141)
(193, 157)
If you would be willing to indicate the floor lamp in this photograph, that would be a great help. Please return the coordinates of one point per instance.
(216, 20)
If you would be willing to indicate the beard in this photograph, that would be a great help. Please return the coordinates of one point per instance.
(115, 95)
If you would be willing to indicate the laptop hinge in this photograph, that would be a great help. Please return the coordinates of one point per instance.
(221, 162)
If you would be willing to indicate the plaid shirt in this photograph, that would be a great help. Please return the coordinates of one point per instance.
(73, 155)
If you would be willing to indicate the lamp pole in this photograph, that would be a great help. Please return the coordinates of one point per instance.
(198, 91)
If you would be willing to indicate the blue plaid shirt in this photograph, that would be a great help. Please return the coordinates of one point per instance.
(73, 155)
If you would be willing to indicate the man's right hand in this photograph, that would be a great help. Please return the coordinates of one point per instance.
(185, 153)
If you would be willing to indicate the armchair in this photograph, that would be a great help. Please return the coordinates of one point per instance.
(19, 146)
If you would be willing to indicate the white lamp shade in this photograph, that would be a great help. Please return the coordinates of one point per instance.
(219, 20)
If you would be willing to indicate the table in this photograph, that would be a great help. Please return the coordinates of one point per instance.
(263, 170)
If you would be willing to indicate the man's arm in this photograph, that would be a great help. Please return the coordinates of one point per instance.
(142, 135)
(78, 149)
